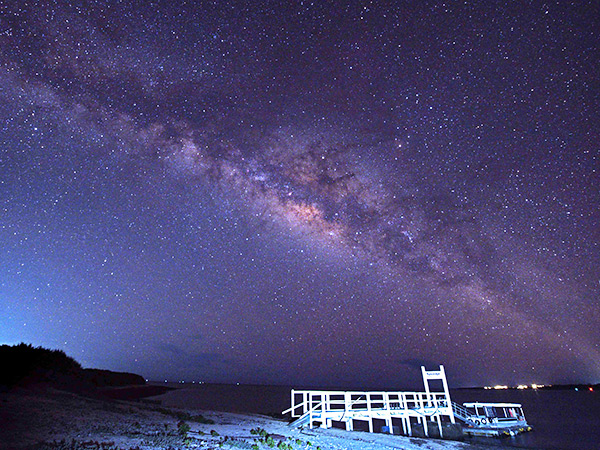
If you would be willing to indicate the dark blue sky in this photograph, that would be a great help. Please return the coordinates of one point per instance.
(324, 193)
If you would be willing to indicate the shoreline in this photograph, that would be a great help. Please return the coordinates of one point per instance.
(135, 392)
(51, 419)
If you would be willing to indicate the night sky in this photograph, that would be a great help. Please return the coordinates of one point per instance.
(303, 193)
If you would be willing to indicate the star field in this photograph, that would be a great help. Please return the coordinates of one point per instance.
(309, 193)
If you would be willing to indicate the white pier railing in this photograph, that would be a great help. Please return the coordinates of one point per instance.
(321, 407)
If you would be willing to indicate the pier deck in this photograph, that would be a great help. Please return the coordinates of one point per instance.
(322, 408)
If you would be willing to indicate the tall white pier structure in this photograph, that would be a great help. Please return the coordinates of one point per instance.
(429, 408)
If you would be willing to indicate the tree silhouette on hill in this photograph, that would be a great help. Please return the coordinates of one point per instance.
(24, 364)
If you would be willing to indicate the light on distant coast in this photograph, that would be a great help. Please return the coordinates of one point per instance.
(520, 386)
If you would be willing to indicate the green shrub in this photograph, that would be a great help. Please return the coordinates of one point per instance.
(201, 419)
(183, 428)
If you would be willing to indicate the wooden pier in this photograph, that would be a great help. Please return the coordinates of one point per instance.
(322, 408)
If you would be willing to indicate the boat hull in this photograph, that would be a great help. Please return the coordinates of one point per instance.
(497, 431)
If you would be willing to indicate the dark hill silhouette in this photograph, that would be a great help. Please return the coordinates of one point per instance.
(24, 366)
(107, 378)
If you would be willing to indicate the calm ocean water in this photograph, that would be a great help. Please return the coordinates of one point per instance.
(565, 420)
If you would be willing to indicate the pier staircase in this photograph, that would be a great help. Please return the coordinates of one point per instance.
(461, 413)
(305, 419)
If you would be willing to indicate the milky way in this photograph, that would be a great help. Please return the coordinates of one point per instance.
(311, 194)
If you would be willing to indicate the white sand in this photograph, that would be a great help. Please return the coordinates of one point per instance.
(40, 420)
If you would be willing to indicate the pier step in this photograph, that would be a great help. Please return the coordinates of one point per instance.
(304, 419)
(300, 421)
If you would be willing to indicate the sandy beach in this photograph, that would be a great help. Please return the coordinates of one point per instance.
(50, 419)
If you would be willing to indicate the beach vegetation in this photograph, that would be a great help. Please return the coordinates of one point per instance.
(185, 416)
(79, 445)
(25, 364)
(214, 433)
(259, 431)
(183, 428)
(164, 440)
(199, 418)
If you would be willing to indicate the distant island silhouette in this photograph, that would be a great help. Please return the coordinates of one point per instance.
(546, 387)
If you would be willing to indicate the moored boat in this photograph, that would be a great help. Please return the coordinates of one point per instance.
(494, 419)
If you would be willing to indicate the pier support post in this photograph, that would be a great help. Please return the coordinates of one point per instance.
(389, 423)
(349, 426)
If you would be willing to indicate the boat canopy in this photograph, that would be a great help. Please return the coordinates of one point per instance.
(492, 405)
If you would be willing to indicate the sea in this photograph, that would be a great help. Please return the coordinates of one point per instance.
(561, 419)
